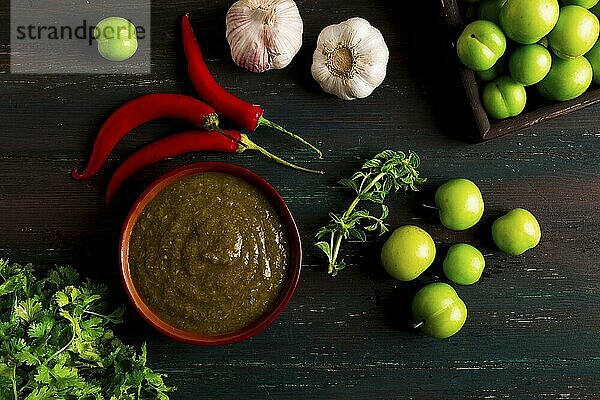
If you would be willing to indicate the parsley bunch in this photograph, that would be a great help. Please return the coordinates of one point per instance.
(388, 171)
(55, 342)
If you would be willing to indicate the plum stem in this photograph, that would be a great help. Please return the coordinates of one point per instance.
(418, 325)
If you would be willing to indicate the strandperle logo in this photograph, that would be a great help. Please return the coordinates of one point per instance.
(69, 37)
(84, 31)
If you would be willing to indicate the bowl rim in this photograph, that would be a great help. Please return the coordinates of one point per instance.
(295, 263)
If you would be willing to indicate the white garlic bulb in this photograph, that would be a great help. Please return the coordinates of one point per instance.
(351, 59)
(264, 34)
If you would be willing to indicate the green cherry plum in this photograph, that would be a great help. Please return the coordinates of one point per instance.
(460, 204)
(529, 63)
(494, 72)
(117, 38)
(516, 232)
(581, 3)
(490, 10)
(463, 264)
(438, 311)
(504, 97)
(480, 45)
(593, 56)
(527, 21)
(596, 10)
(470, 12)
(567, 79)
(407, 253)
(575, 32)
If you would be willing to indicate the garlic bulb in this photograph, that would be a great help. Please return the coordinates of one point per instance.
(351, 59)
(264, 34)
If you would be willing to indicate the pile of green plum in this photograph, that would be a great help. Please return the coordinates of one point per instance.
(437, 309)
(552, 47)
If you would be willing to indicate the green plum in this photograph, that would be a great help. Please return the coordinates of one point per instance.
(575, 32)
(470, 12)
(494, 72)
(490, 10)
(407, 253)
(516, 232)
(460, 204)
(567, 79)
(117, 38)
(480, 45)
(529, 63)
(504, 98)
(463, 264)
(596, 10)
(582, 3)
(527, 21)
(593, 56)
(438, 310)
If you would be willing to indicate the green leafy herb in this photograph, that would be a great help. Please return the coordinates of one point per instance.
(388, 171)
(55, 342)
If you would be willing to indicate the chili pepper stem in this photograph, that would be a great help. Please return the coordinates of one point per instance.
(227, 135)
(253, 146)
(262, 121)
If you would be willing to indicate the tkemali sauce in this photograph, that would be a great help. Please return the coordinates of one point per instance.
(209, 254)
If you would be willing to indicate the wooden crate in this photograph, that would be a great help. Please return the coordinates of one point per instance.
(489, 129)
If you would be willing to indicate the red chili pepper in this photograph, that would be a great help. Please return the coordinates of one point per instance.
(182, 143)
(243, 114)
(139, 111)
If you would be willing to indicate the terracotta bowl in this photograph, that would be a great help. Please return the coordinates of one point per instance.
(294, 266)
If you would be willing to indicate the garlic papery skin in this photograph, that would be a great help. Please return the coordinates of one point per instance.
(350, 60)
(264, 34)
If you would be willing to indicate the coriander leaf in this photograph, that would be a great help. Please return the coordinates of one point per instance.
(41, 393)
(56, 341)
(40, 329)
(25, 356)
(62, 299)
(5, 370)
(28, 309)
(10, 285)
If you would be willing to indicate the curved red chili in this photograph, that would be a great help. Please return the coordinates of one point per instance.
(242, 113)
(139, 111)
(245, 115)
(170, 146)
(186, 142)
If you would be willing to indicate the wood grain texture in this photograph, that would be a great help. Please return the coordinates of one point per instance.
(532, 331)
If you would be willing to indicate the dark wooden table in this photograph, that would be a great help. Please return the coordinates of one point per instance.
(533, 328)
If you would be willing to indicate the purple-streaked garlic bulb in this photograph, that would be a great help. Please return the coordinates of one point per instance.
(264, 34)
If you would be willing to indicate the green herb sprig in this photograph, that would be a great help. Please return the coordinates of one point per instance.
(55, 342)
(388, 171)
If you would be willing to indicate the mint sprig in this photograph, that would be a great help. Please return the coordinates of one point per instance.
(389, 171)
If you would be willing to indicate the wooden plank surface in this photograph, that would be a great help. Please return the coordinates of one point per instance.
(532, 330)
